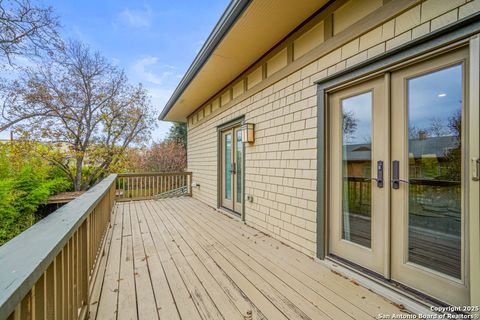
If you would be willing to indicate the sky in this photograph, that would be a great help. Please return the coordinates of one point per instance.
(153, 41)
(432, 98)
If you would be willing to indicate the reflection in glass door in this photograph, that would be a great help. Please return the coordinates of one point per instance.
(227, 172)
(232, 169)
(238, 153)
(428, 251)
(434, 173)
(358, 144)
(411, 228)
(357, 164)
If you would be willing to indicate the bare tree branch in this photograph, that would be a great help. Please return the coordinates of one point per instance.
(26, 30)
(81, 99)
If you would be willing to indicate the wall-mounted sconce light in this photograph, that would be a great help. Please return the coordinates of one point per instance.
(248, 132)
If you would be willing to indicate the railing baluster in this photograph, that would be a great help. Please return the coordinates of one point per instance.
(134, 186)
(26, 307)
(49, 297)
(75, 274)
(38, 298)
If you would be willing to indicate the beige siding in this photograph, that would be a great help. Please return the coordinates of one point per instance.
(255, 77)
(238, 88)
(311, 39)
(280, 170)
(226, 97)
(352, 11)
(277, 62)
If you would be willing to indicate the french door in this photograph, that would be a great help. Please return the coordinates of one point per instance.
(397, 176)
(232, 169)
(358, 145)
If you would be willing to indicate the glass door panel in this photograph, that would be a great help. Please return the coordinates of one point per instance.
(228, 166)
(428, 218)
(357, 163)
(434, 175)
(238, 170)
(358, 141)
(232, 169)
(227, 169)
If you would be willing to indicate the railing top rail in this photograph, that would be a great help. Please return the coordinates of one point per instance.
(146, 174)
(24, 258)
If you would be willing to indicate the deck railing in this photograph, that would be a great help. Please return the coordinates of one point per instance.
(140, 186)
(48, 271)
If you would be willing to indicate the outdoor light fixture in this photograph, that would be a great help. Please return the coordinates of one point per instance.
(248, 132)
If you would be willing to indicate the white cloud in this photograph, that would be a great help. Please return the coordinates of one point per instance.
(147, 70)
(160, 97)
(136, 18)
(115, 61)
(160, 80)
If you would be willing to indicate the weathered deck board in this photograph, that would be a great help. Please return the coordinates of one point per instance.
(178, 258)
(311, 274)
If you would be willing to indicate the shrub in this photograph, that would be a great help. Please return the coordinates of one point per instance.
(26, 182)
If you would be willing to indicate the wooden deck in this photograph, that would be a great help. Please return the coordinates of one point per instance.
(180, 259)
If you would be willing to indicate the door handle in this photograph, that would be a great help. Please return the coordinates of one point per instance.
(396, 175)
(476, 172)
(379, 178)
(380, 174)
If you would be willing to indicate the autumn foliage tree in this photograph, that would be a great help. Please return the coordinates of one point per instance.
(168, 155)
(84, 107)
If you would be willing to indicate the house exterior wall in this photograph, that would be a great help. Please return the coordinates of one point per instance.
(278, 95)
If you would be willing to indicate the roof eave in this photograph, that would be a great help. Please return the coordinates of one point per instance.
(228, 19)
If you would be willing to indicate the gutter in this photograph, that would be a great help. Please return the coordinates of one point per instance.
(223, 26)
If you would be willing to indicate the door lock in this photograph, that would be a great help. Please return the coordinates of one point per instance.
(476, 169)
(380, 174)
(396, 175)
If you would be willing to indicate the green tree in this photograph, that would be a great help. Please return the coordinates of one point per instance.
(26, 182)
(85, 105)
(178, 134)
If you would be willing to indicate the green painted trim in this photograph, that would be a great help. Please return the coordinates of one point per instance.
(450, 34)
(231, 123)
(243, 179)
(24, 259)
(224, 126)
(223, 26)
(321, 240)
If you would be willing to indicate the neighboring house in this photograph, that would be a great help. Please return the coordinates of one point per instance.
(291, 71)
(428, 157)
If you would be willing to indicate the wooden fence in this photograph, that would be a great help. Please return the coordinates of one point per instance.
(138, 186)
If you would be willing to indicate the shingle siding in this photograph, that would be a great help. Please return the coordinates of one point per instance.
(280, 170)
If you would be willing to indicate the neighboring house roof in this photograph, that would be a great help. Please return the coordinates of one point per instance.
(437, 146)
(247, 30)
(358, 152)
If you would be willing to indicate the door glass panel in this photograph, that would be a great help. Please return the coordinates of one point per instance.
(228, 166)
(239, 162)
(356, 168)
(435, 162)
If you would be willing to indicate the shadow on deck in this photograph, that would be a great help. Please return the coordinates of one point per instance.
(180, 259)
